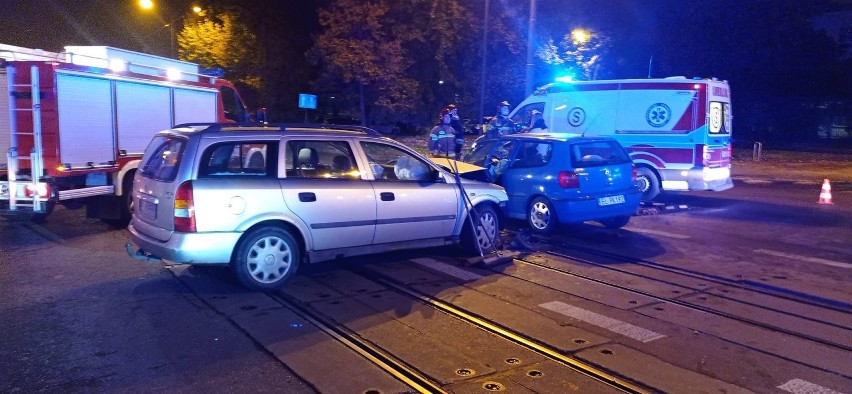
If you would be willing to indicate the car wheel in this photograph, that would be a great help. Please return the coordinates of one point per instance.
(616, 222)
(541, 216)
(487, 229)
(648, 183)
(266, 257)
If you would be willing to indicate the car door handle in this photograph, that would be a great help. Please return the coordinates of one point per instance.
(387, 196)
(307, 197)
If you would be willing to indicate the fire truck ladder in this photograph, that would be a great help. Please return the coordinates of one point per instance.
(37, 203)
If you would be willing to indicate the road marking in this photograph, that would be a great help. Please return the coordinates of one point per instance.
(799, 386)
(655, 232)
(447, 269)
(614, 325)
(804, 258)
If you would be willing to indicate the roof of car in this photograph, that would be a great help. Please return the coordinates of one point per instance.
(274, 128)
(556, 137)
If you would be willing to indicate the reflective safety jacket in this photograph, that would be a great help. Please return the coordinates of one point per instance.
(442, 141)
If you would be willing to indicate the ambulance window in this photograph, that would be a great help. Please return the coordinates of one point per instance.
(234, 109)
(523, 115)
(719, 119)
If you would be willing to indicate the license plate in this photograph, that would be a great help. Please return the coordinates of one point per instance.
(612, 200)
(147, 209)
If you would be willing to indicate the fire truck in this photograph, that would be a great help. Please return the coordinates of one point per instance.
(74, 124)
(677, 129)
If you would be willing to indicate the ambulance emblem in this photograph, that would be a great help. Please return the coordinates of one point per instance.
(658, 115)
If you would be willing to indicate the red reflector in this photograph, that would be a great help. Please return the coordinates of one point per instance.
(184, 209)
(634, 173)
(569, 180)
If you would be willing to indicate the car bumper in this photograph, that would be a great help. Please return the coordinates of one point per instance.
(583, 209)
(188, 248)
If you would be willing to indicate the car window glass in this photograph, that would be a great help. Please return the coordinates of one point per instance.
(390, 163)
(479, 152)
(320, 159)
(532, 154)
(256, 159)
(162, 158)
(598, 153)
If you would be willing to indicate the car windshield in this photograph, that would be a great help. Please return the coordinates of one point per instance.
(598, 153)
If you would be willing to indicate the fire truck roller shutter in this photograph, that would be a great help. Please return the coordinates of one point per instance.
(85, 120)
(193, 105)
(142, 111)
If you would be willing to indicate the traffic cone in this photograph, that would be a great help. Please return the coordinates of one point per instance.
(825, 193)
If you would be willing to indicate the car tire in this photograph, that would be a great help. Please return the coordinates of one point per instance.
(648, 183)
(541, 216)
(265, 258)
(487, 225)
(616, 222)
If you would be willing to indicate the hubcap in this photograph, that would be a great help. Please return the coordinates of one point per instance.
(269, 259)
(486, 231)
(539, 216)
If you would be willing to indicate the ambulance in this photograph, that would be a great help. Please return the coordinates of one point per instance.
(677, 130)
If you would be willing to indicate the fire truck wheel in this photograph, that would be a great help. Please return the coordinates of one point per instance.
(648, 183)
(125, 203)
(42, 216)
(265, 258)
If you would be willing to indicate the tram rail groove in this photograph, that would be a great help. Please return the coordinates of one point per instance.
(690, 305)
(780, 292)
(384, 360)
(611, 379)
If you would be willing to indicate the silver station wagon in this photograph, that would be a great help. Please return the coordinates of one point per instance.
(266, 198)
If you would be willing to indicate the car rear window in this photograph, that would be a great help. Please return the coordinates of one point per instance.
(162, 158)
(598, 153)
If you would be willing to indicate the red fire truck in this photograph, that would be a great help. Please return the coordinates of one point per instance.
(74, 124)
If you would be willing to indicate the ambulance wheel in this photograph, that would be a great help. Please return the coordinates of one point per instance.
(541, 216)
(265, 258)
(487, 225)
(648, 183)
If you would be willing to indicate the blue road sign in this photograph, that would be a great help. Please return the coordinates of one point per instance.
(308, 101)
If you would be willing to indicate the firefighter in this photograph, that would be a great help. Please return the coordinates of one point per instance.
(458, 128)
(500, 124)
(442, 138)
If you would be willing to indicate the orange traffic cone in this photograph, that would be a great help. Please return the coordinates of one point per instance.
(825, 193)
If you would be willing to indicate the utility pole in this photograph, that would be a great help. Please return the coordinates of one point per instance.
(530, 50)
(484, 57)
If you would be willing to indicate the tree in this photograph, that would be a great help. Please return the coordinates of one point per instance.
(580, 51)
(220, 40)
(358, 47)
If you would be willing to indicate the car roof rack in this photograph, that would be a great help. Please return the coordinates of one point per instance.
(279, 127)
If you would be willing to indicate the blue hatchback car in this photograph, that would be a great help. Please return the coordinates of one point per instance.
(560, 178)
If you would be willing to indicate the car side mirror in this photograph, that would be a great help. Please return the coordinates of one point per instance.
(437, 177)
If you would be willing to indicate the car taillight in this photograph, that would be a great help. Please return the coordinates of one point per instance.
(634, 173)
(42, 190)
(184, 209)
(569, 180)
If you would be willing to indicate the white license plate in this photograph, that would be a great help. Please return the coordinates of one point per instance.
(147, 209)
(612, 200)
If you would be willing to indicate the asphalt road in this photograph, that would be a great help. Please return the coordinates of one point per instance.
(78, 315)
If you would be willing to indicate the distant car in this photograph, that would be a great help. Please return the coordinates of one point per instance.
(266, 198)
(553, 178)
